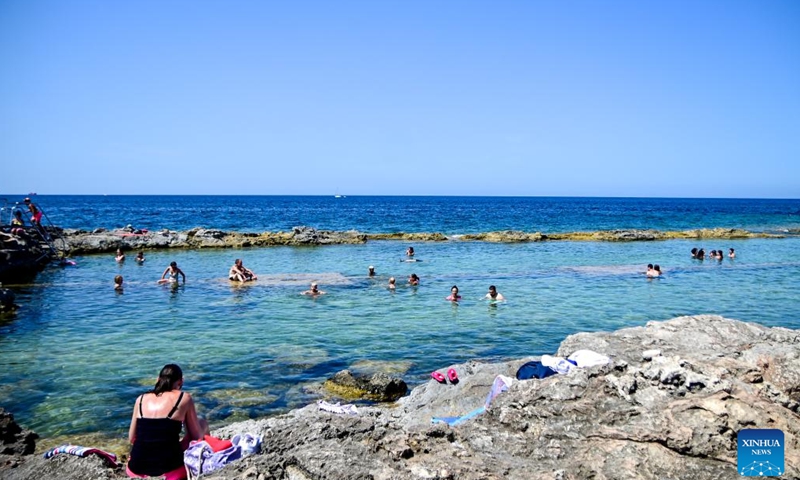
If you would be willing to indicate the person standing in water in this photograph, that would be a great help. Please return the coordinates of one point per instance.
(454, 296)
(494, 294)
(173, 272)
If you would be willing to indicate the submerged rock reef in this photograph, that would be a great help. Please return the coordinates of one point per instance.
(103, 241)
(668, 405)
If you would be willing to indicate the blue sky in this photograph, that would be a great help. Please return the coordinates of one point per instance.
(583, 98)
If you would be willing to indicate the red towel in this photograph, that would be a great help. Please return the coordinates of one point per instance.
(217, 444)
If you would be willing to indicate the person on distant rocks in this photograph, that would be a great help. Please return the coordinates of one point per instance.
(118, 283)
(494, 294)
(139, 258)
(392, 284)
(413, 280)
(156, 423)
(654, 272)
(371, 271)
(17, 223)
(314, 290)
(36, 214)
(240, 273)
(410, 252)
(454, 296)
(173, 271)
(731, 253)
(120, 256)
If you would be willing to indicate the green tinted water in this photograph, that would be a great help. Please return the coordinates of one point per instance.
(77, 354)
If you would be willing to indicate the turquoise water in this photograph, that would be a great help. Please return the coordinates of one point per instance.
(77, 354)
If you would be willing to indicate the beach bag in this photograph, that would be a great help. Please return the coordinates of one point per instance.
(201, 458)
(534, 369)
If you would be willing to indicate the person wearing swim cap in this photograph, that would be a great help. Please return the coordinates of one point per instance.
(313, 291)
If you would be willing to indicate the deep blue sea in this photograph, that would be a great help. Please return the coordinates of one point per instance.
(75, 356)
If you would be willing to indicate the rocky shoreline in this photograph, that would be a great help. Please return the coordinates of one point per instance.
(104, 241)
(669, 405)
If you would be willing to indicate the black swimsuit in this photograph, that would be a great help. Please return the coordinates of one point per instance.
(157, 448)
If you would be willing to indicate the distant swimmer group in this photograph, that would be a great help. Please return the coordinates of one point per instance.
(700, 254)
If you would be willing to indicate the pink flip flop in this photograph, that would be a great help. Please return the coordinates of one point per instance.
(452, 375)
(438, 377)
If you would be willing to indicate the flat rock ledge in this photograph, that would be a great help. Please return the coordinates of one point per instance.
(668, 406)
(104, 241)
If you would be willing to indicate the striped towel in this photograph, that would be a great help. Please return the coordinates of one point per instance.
(81, 452)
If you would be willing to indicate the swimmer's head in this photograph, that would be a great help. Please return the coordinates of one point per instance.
(454, 289)
(173, 264)
(649, 266)
(118, 279)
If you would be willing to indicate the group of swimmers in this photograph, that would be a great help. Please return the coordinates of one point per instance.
(714, 255)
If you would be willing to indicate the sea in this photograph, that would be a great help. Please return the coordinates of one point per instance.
(76, 354)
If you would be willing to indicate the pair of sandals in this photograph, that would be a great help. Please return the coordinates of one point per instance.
(451, 375)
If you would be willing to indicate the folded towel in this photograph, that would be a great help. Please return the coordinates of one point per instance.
(81, 452)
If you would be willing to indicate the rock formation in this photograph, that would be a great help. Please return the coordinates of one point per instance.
(21, 258)
(669, 405)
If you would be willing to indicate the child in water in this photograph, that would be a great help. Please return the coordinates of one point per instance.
(118, 283)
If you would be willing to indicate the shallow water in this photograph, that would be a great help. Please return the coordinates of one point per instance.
(76, 355)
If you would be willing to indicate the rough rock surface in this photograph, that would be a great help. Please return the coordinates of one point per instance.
(378, 387)
(21, 258)
(668, 406)
(13, 438)
(103, 241)
(82, 242)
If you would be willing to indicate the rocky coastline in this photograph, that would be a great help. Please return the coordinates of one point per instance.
(668, 405)
(103, 241)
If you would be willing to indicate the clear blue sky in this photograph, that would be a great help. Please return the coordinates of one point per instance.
(584, 98)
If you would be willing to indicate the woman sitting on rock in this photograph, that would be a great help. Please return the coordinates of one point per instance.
(155, 431)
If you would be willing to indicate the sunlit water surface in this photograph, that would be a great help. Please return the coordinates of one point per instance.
(77, 354)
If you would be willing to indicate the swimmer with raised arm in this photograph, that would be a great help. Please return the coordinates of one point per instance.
(173, 272)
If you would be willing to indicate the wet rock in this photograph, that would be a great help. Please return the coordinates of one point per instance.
(673, 415)
(21, 258)
(378, 387)
(507, 236)
(14, 440)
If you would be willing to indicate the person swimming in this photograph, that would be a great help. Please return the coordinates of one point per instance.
(731, 253)
(413, 279)
(120, 256)
(494, 294)
(653, 271)
(410, 252)
(313, 291)
(139, 257)
(694, 252)
(454, 296)
(173, 272)
(392, 285)
(371, 271)
(118, 283)
(649, 269)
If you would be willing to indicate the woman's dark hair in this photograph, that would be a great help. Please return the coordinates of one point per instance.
(454, 286)
(169, 376)
(657, 268)
(173, 264)
(649, 265)
(694, 251)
